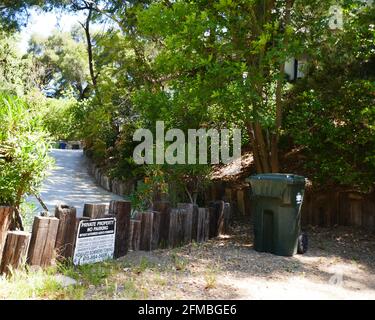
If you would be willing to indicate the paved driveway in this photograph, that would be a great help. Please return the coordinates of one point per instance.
(70, 183)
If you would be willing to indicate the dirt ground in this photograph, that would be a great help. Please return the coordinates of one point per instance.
(339, 264)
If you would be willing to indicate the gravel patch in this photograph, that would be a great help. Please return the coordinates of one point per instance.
(339, 264)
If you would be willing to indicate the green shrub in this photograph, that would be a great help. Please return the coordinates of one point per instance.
(24, 149)
(58, 118)
(331, 112)
(337, 132)
(58, 115)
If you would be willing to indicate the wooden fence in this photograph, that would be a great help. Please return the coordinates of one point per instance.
(320, 208)
(346, 208)
(53, 238)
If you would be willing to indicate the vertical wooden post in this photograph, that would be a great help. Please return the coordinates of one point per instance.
(228, 194)
(15, 250)
(5, 220)
(155, 239)
(187, 211)
(122, 211)
(203, 228)
(187, 220)
(95, 210)
(217, 221)
(227, 217)
(194, 223)
(241, 202)
(212, 222)
(146, 230)
(369, 212)
(175, 237)
(131, 230)
(43, 239)
(135, 240)
(214, 218)
(247, 192)
(219, 207)
(164, 207)
(231, 197)
(66, 231)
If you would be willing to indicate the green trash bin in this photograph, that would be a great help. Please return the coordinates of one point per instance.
(276, 202)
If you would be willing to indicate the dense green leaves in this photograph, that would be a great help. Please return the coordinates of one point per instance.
(62, 61)
(331, 113)
(217, 64)
(23, 151)
(213, 64)
(14, 12)
(338, 135)
(17, 74)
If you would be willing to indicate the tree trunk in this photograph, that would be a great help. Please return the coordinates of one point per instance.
(266, 152)
(263, 150)
(253, 141)
(279, 102)
(89, 45)
(275, 135)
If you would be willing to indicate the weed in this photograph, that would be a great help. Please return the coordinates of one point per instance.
(179, 262)
(143, 265)
(210, 279)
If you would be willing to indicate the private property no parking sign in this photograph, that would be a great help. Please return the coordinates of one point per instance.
(95, 241)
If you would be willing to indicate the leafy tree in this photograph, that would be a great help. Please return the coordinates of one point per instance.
(58, 115)
(331, 113)
(63, 60)
(24, 148)
(17, 73)
(222, 63)
(14, 13)
(219, 64)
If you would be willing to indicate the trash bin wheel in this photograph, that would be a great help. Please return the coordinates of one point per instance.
(302, 243)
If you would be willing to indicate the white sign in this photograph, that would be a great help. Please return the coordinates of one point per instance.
(299, 198)
(95, 241)
(336, 19)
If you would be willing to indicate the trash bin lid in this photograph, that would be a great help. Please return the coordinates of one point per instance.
(275, 185)
(287, 178)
